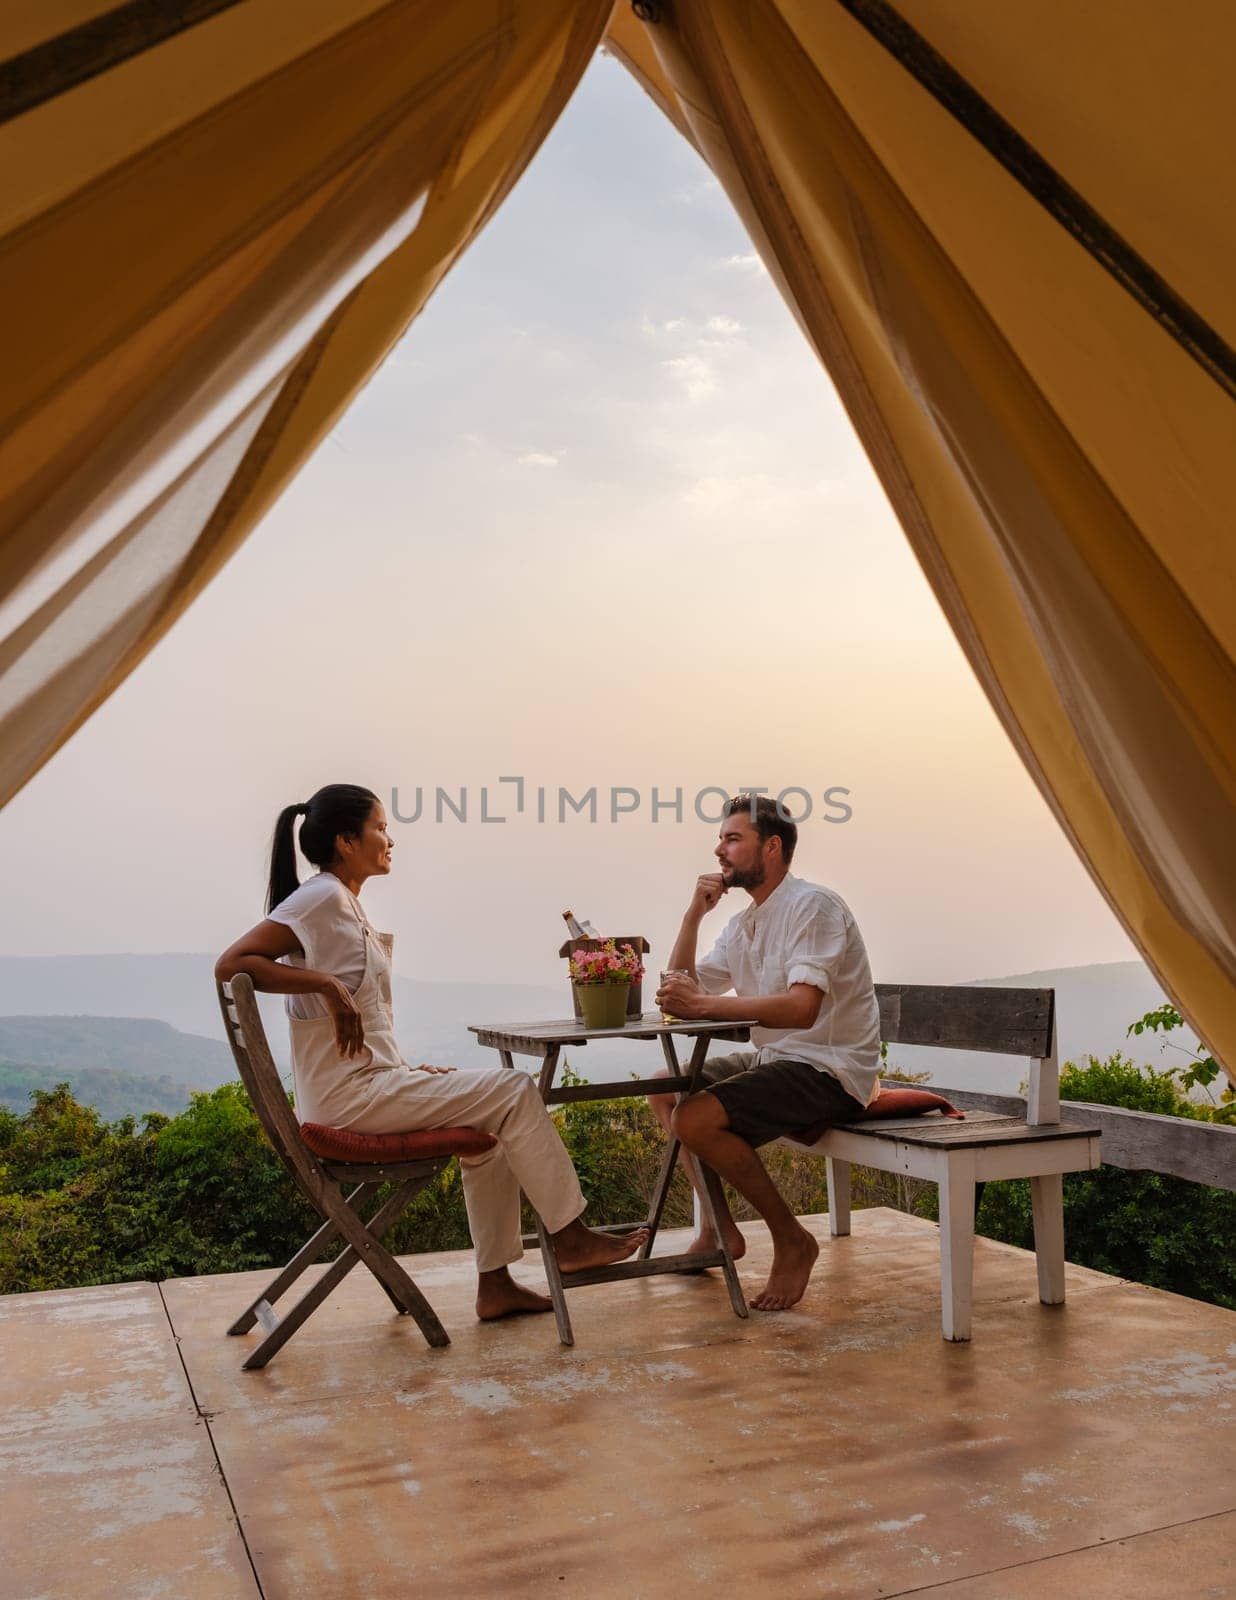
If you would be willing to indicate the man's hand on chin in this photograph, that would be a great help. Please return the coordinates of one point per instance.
(708, 891)
(682, 997)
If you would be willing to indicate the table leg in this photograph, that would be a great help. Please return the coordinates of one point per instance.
(708, 1181)
(714, 1199)
(666, 1175)
(554, 1278)
(549, 1258)
(548, 1069)
(713, 1196)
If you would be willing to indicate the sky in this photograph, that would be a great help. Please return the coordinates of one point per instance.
(598, 522)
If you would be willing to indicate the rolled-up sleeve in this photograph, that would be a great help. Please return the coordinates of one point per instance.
(289, 919)
(713, 972)
(816, 945)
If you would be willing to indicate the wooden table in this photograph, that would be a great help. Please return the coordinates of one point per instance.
(547, 1040)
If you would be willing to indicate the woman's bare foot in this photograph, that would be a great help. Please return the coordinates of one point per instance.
(579, 1249)
(498, 1295)
(706, 1240)
(791, 1268)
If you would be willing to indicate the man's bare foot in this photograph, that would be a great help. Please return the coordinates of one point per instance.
(706, 1240)
(579, 1249)
(498, 1295)
(791, 1268)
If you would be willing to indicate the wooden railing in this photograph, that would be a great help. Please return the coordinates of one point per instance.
(1142, 1141)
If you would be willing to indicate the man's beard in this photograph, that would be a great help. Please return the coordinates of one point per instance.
(737, 878)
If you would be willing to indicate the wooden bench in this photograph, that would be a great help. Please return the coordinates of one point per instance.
(960, 1156)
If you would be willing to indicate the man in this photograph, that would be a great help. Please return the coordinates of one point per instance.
(796, 963)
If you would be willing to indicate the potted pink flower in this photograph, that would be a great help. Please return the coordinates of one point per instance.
(603, 977)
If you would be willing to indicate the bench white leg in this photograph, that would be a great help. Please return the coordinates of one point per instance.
(957, 1244)
(837, 1174)
(1047, 1202)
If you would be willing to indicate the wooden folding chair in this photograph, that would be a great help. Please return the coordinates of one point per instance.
(409, 1161)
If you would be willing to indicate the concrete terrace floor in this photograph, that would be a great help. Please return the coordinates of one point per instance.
(842, 1449)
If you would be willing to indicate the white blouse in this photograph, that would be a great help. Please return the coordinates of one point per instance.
(326, 918)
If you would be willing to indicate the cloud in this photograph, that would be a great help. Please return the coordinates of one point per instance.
(750, 262)
(653, 329)
(713, 494)
(698, 193)
(695, 375)
(727, 325)
(538, 458)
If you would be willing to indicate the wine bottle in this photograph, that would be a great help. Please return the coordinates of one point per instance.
(579, 930)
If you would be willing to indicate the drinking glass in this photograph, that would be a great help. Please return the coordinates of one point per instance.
(672, 972)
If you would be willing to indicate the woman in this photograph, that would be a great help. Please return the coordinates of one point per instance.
(317, 947)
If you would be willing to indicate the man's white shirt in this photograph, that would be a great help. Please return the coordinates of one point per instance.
(804, 933)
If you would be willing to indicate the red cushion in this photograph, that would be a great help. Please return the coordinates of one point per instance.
(341, 1144)
(888, 1103)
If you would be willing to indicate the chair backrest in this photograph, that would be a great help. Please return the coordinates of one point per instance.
(242, 1022)
(1012, 1022)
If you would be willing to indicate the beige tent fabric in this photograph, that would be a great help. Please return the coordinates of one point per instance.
(211, 234)
(205, 250)
(1061, 466)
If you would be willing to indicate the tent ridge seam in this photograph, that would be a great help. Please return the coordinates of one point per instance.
(67, 60)
(1049, 187)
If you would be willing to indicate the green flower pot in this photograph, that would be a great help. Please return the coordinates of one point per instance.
(603, 1005)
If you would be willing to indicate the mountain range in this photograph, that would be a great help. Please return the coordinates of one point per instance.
(155, 1017)
(180, 990)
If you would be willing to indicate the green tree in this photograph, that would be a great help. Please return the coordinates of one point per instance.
(75, 1195)
(83, 1201)
(1202, 1070)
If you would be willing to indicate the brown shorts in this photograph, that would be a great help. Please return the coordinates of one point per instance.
(776, 1098)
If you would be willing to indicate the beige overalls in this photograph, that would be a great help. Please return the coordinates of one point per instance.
(378, 1092)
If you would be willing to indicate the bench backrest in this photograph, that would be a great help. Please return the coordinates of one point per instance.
(1012, 1022)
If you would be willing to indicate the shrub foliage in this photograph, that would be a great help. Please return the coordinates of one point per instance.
(85, 1201)
(1166, 1232)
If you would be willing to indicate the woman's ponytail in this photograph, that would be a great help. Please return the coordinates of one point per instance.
(283, 878)
(339, 808)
